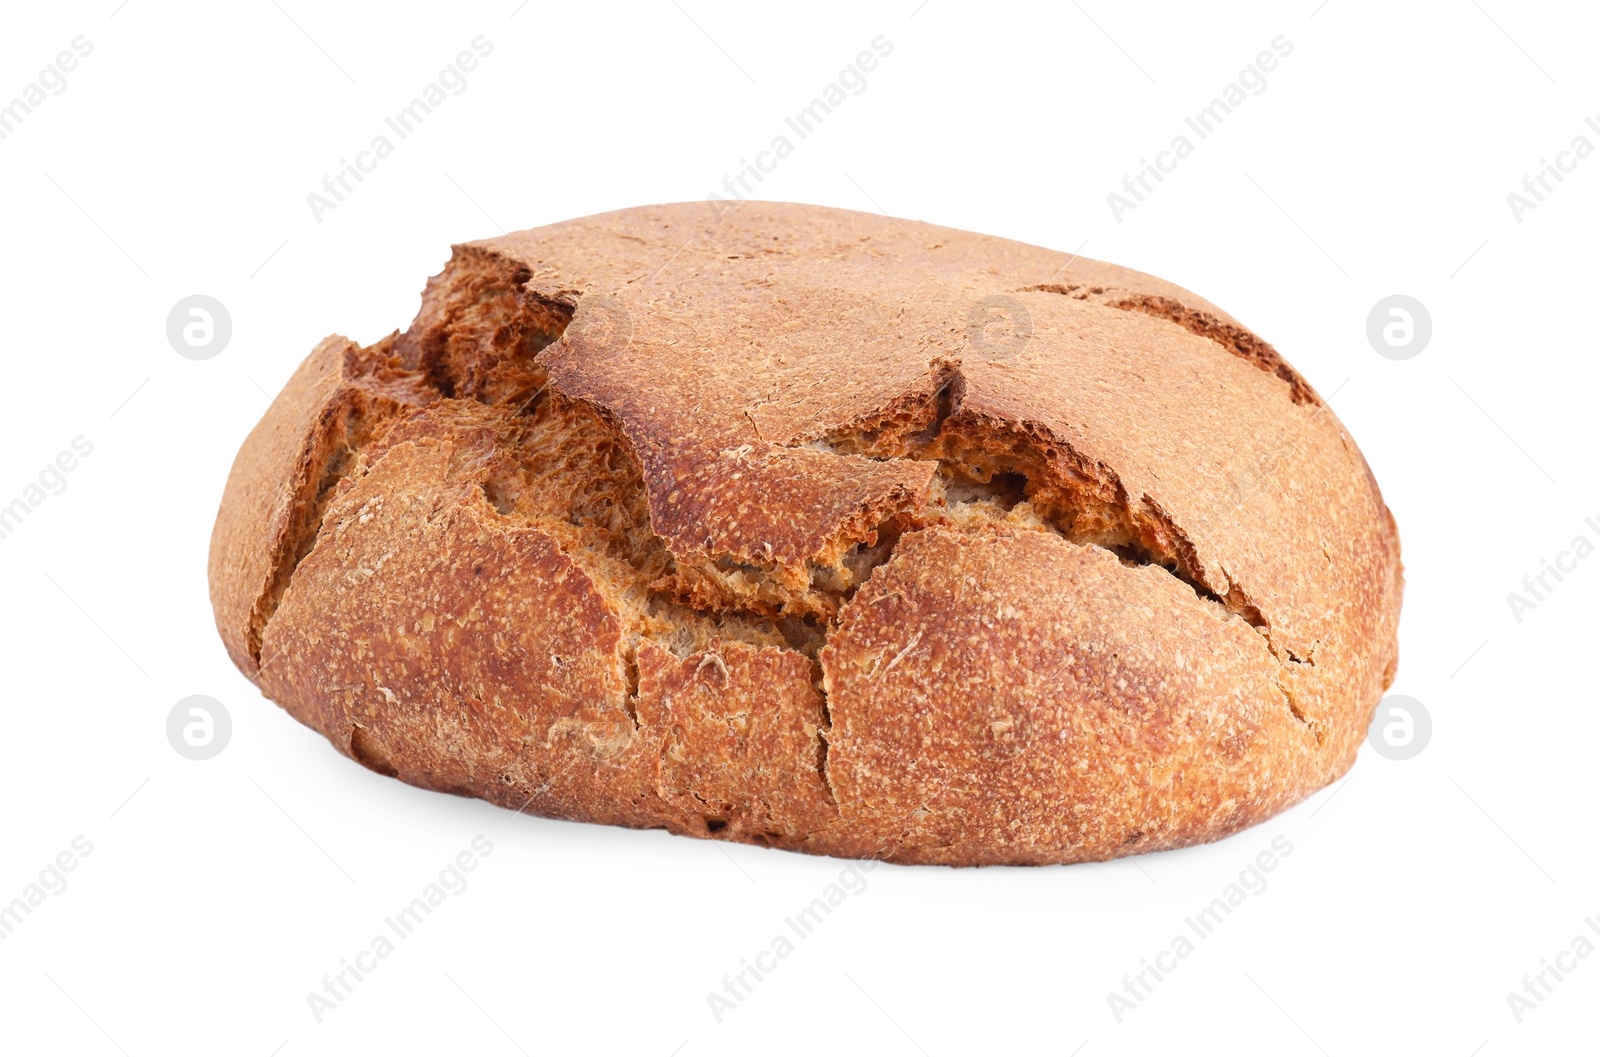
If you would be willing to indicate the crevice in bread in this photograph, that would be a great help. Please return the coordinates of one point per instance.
(906, 426)
(822, 746)
(339, 443)
(366, 750)
(477, 339)
(1293, 701)
(994, 469)
(375, 389)
(1235, 339)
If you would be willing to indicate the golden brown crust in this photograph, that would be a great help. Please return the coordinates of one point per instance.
(750, 529)
(1004, 696)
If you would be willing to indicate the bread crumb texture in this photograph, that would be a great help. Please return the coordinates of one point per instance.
(747, 529)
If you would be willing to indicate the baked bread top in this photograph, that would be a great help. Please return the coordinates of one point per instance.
(819, 529)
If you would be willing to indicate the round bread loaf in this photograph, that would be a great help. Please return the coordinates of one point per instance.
(819, 530)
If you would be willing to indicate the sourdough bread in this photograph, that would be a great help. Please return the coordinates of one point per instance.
(818, 530)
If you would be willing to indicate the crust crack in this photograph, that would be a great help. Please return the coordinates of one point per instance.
(335, 444)
(1234, 339)
(1020, 475)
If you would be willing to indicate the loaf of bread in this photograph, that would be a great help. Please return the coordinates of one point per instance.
(817, 530)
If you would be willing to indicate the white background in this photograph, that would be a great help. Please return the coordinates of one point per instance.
(218, 893)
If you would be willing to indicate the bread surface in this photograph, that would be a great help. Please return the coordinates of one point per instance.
(818, 530)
